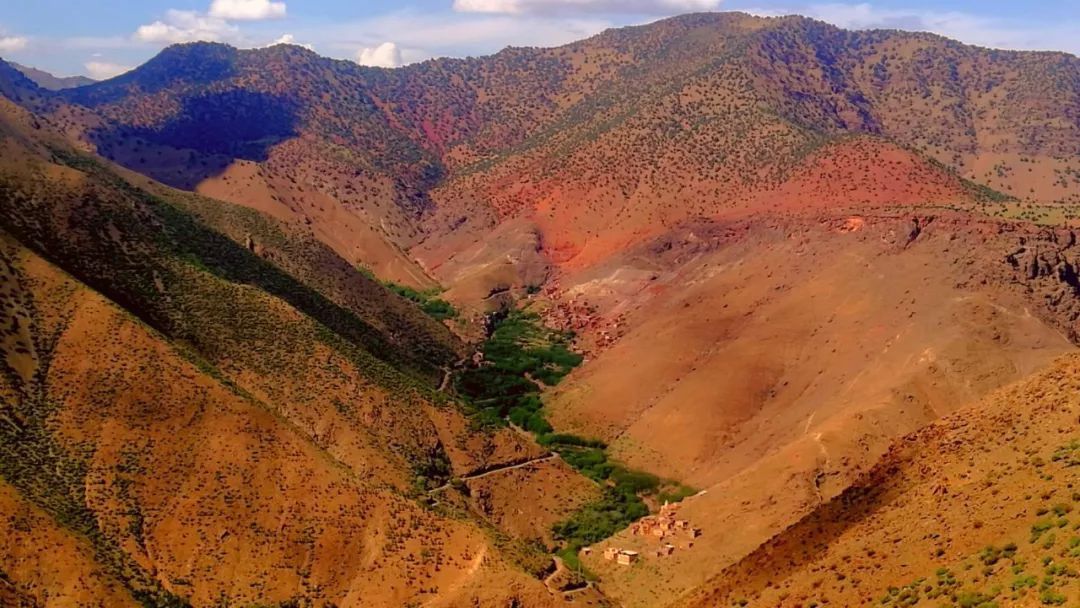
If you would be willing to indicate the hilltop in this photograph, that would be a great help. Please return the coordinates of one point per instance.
(654, 125)
(48, 81)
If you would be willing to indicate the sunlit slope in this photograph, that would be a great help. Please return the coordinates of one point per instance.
(977, 508)
(197, 417)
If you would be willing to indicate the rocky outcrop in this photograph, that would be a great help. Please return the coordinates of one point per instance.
(1045, 265)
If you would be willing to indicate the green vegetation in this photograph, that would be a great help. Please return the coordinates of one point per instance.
(520, 356)
(621, 502)
(431, 470)
(997, 575)
(1068, 454)
(426, 300)
(617, 508)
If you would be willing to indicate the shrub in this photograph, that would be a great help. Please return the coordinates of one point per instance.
(598, 520)
(426, 300)
(1050, 597)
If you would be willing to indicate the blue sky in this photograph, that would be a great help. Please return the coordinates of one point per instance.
(106, 37)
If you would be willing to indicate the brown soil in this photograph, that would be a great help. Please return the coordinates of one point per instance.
(769, 356)
(983, 476)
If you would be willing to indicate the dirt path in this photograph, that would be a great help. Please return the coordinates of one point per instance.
(448, 374)
(823, 469)
(447, 595)
(560, 567)
(500, 469)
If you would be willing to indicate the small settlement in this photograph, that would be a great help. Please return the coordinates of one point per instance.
(665, 527)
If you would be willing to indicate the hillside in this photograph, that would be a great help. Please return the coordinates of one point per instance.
(794, 350)
(978, 508)
(15, 86)
(693, 116)
(767, 252)
(191, 419)
(48, 81)
(281, 130)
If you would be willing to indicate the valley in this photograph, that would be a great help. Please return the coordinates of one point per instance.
(721, 310)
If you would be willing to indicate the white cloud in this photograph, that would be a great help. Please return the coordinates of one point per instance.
(247, 10)
(186, 26)
(10, 44)
(385, 55)
(290, 39)
(103, 70)
(421, 36)
(639, 7)
(213, 26)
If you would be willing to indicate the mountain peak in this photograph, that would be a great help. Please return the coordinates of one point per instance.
(15, 85)
(51, 82)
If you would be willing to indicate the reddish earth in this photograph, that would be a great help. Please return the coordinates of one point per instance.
(868, 172)
(772, 356)
(802, 263)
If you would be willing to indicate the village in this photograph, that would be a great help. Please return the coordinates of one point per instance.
(665, 527)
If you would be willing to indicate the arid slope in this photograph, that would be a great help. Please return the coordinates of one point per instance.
(977, 507)
(795, 351)
(233, 416)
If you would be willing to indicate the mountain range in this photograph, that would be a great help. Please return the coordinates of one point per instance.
(286, 330)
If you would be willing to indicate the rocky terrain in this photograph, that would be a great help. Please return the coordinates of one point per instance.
(284, 330)
(189, 417)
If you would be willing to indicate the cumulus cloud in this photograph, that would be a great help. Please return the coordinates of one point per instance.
(10, 44)
(385, 55)
(103, 70)
(186, 26)
(641, 7)
(290, 39)
(247, 10)
(421, 36)
(216, 25)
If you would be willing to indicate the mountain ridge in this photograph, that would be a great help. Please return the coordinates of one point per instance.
(781, 249)
(53, 83)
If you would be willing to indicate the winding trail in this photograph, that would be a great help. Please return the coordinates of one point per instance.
(823, 469)
(445, 379)
(499, 469)
(560, 567)
(448, 373)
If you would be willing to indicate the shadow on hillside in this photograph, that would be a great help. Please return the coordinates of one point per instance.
(207, 133)
(119, 240)
(228, 260)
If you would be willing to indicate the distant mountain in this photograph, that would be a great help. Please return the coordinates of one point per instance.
(653, 125)
(46, 80)
(17, 87)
